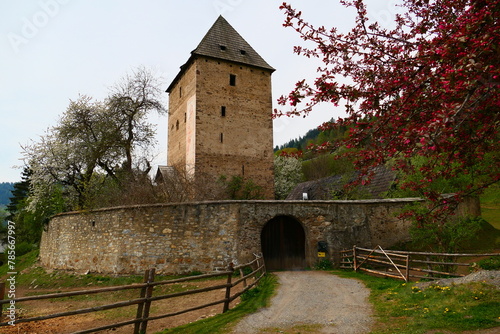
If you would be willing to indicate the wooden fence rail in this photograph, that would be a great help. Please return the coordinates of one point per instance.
(146, 297)
(402, 264)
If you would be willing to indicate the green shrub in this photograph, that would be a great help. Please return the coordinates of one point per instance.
(324, 264)
(24, 247)
(492, 263)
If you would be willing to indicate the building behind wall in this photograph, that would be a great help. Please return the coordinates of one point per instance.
(220, 111)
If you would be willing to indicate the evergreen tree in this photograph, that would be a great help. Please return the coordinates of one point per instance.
(5, 190)
(29, 223)
(19, 193)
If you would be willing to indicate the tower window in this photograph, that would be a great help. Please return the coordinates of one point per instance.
(221, 137)
(180, 91)
(177, 125)
(243, 52)
(243, 170)
(232, 79)
(222, 47)
(223, 111)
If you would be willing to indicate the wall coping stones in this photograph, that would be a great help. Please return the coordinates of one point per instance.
(225, 202)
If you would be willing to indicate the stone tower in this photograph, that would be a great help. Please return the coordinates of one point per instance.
(220, 111)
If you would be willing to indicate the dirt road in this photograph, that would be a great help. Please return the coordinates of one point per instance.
(313, 302)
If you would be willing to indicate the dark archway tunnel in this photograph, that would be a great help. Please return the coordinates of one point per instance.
(283, 244)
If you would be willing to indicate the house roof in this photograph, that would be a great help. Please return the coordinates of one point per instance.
(324, 189)
(223, 42)
(164, 173)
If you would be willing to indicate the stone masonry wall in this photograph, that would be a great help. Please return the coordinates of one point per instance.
(240, 143)
(182, 92)
(180, 238)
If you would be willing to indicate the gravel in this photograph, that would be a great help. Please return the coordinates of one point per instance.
(485, 276)
(320, 301)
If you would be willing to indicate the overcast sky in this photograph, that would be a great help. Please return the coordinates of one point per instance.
(53, 50)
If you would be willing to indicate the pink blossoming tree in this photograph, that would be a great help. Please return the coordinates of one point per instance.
(422, 96)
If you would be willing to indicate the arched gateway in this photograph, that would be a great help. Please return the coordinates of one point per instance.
(283, 244)
(207, 236)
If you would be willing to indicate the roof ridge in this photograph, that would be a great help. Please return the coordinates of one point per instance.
(222, 41)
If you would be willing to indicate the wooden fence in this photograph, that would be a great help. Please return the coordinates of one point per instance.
(405, 265)
(146, 298)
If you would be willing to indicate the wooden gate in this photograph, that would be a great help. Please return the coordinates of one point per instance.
(406, 265)
(283, 244)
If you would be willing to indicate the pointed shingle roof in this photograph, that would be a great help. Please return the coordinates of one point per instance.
(223, 42)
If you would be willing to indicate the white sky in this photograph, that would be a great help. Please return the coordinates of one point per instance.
(53, 50)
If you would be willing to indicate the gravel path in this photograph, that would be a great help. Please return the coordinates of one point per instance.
(314, 302)
(486, 276)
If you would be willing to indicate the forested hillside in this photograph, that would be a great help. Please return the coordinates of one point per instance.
(316, 165)
(313, 136)
(5, 189)
(301, 142)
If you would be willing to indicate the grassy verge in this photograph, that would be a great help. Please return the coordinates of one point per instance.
(251, 301)
(406, 309)
(31, 276)
(21, 263)
(490, 205)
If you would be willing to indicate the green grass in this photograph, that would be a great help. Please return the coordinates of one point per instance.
(490, 205)
(33, 275)
(405, 309)
(251, 301)
(491, 215)
(490, 212)
(39, 277)
(21, 263)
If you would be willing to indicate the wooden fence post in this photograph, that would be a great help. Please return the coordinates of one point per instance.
(407, 268)
(228, 288)
(143, 308)
(354, 258)
(264, 270)
(429, 266)
(242, 274)
(147, 304)
(140, 307)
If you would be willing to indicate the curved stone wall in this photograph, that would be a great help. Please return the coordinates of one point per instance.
(205, 236)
